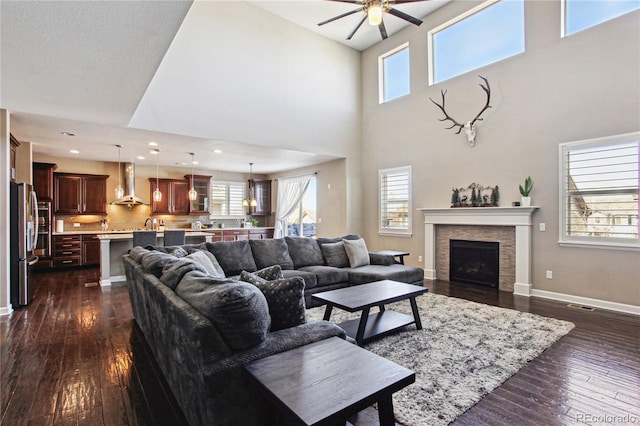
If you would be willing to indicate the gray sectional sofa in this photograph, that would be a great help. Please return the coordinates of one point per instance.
(206, 310)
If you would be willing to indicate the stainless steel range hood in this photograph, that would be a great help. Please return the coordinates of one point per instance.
(128, 172)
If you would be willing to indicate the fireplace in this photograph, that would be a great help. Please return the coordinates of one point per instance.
(475, 262)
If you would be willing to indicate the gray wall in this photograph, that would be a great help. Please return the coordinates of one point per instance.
(561, 89)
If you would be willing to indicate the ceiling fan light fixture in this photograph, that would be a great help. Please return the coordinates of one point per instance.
(374, 13)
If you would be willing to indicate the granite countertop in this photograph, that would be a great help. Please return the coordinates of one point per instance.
(129, 231)
(129, 235)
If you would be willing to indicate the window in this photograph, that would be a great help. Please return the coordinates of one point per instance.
(393, 70)
(395, 201)
(474, 39)
(578, 15)
(302, 222)
(226, 199)
(599, 191)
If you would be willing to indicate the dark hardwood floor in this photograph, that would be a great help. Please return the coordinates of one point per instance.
(74, 356)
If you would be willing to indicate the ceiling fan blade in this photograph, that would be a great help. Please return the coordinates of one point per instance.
(403, 1)
(349, 1)
(383, 30)
(364, 18)
(340, 16)
(402, 15)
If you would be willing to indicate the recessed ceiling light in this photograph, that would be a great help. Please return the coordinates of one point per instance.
(74, 151)
(155, 151)
(140, 157)
(217, 151)
(152, 144)
(194, 162)
(67, 134)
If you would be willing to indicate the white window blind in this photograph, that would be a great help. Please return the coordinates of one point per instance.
(599, 190)
(395, 200)
(226, 199)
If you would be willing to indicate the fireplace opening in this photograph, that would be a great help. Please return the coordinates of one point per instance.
(475, 262)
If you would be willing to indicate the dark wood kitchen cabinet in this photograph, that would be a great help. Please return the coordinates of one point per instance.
(90, 249)
(262, 194)
(43, 180)
(202, 185)
(80, 193)
(175, 196)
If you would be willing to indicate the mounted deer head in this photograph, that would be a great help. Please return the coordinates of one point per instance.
(470, 126)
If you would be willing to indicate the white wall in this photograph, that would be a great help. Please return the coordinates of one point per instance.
(561, 89)
(5, 148)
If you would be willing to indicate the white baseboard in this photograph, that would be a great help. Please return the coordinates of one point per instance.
(429, 274)
(105, 282)
(522, 289)
(6, 311)
(587, 301)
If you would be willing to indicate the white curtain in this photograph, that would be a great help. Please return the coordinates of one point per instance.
(290, 192)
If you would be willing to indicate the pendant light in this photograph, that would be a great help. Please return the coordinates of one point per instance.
(250, 200)
(193, 194)
(119, 189)
(157, 195)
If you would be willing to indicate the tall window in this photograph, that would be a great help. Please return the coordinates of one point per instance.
(395, 201)
(393, 71)
(226, 199)
(302, 222)
(578, 15)
(485, 34)
(599, 191)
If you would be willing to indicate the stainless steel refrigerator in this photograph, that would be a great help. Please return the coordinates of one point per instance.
(24, 238)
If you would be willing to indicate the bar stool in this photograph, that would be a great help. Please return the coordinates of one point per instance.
(174, 237)
(144, 238)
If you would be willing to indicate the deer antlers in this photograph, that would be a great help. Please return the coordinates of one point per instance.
(469, 127)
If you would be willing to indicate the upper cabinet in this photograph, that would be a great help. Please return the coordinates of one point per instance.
(43, 180)
(202, 185)
(12, 160)
(262, 193)
(175, 196)
(80, 194)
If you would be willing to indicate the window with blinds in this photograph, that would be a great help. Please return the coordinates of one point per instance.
(395, 200)
(226, 199)
(599, 191)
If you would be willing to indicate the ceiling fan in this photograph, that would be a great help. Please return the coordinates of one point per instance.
(373, 10)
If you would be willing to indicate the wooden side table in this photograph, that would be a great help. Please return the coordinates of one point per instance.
(399, 255)
(327, 381)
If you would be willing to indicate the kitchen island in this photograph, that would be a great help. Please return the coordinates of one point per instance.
(114, 245)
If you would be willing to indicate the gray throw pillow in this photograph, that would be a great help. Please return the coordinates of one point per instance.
(270, 273)
(335, 255)
(285, 298)
(356, 252)
(208, 261)
(271, 252)
(239, 311)
(304, 251)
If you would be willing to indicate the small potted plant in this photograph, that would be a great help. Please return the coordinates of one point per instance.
(525, 200)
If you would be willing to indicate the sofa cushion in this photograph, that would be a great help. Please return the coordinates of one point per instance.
(323, 240)
(335, 255)
(371, 273)
(327, 275)
(310, 279)
(356, 252)
(173, 272)
(304, 251)
(239, 311)
(153, 261)
(137, 252)
(272, 251)
(233, 256)
(285, 298)
(208, 261)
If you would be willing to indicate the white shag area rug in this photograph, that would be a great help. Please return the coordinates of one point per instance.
(463, 352)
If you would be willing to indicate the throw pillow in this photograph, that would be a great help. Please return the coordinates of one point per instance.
(270, 273)
(233, 256)
(356, 252)
(335, 255)
(304, 251)
(239, 311)
(285, 298)
(271, 252)
(208, 261)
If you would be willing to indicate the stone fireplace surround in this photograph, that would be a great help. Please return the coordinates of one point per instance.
(511, 226)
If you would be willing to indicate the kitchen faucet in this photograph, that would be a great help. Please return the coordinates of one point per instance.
(146, 221)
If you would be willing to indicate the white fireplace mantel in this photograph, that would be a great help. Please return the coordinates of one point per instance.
(518, 217)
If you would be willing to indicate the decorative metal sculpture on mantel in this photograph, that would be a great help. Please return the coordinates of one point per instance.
(470, 126)
(475, 195)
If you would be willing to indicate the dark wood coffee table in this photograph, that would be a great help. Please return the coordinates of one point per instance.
(363, 297)
(327, 381)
